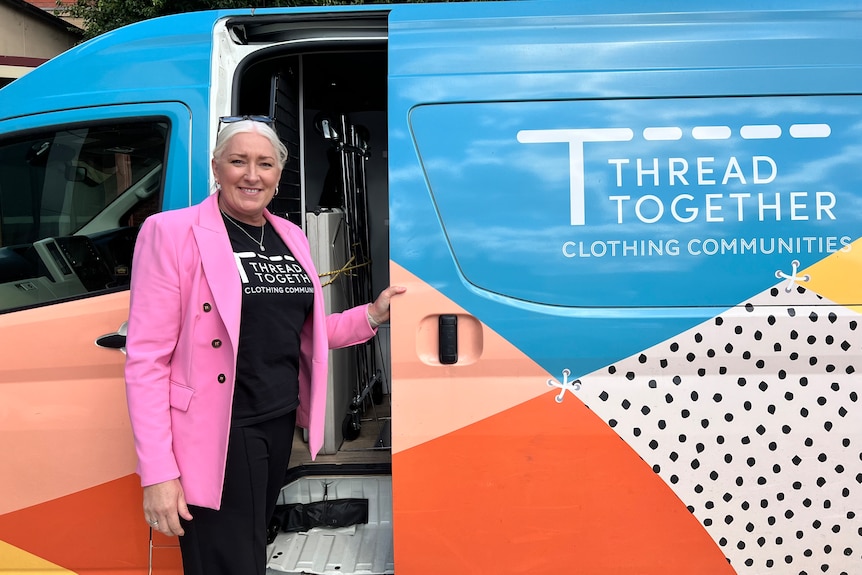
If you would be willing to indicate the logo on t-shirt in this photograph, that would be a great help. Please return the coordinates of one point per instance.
(262, 274)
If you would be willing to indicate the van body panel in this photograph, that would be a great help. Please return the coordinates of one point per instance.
(700, 352)
(34, 537)
(643, 219)
(49, 358)
(721, 439)
(557, 473)
(660, 206)
(549, 51)
(156, 60)
(496, 375)
(658, 189)
(65, 433)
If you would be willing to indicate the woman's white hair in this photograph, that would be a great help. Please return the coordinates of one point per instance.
(230, 130)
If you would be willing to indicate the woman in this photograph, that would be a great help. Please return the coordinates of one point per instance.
(226, 353)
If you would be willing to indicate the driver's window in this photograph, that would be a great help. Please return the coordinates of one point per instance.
(71, 202)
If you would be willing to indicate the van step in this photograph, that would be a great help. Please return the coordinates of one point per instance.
(364, 549)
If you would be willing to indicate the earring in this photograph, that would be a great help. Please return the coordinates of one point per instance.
(276, 191)
(218, 186)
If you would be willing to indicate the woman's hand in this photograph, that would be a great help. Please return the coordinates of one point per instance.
(164, 504)
(378, 311)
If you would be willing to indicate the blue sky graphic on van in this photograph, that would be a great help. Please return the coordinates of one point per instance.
(579, 198)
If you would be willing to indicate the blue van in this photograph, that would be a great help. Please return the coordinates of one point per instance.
(631, 333)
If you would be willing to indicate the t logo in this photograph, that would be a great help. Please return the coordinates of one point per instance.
(576, 140)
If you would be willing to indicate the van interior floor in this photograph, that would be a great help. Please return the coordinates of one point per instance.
(372, 447)
(359, 549)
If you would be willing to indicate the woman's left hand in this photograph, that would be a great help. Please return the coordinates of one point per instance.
(379, 310)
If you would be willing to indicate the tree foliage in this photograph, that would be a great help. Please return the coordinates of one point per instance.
(100, 16)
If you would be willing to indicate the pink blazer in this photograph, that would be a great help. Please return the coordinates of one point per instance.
(182, 345)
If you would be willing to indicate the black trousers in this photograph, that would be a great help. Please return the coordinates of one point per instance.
(232, 540)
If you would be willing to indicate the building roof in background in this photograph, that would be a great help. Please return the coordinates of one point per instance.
(43, 9)
(49, 5)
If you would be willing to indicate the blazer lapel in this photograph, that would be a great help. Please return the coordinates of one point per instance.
(219, 266)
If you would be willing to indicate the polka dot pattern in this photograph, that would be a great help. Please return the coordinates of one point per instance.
(754, 420)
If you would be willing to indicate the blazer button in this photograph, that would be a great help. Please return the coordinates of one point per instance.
(207, 307)
(216, 343)
(221, 378)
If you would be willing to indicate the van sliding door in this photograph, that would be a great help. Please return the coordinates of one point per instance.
(631, 247)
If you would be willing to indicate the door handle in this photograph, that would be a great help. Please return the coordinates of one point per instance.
(447, 334)
(116, 340)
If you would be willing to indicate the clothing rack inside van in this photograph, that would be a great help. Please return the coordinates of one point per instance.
(345, 188)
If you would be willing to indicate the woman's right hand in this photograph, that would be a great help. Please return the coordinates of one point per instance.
(378, 311)
(164, 504)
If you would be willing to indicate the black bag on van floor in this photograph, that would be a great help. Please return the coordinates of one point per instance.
(295, 517)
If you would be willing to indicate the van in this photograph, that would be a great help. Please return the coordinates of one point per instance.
(630, 237)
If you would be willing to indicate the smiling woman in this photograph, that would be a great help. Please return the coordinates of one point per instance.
(237, 378)
(247, 162)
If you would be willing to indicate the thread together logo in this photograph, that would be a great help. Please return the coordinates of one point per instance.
(640, 191)
(273, 274)
(763, 168)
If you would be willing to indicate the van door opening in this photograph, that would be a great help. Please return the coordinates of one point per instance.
(323, 81)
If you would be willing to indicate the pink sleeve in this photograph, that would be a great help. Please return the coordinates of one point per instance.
(154, 324)
(349, 327)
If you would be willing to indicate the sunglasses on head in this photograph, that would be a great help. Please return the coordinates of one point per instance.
(254, 118)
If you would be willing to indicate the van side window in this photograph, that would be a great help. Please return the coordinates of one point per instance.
(71, 202)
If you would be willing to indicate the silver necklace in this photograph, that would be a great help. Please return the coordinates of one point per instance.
(242, 229)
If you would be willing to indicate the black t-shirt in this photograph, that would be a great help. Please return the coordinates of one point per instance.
(277, 295)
